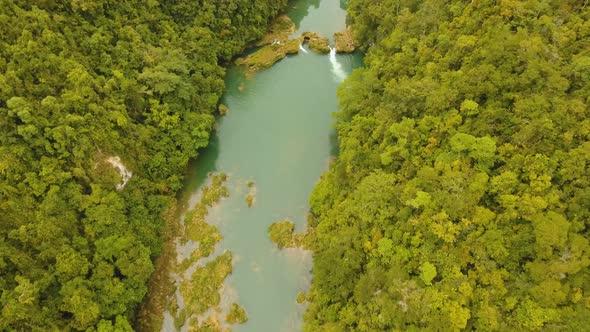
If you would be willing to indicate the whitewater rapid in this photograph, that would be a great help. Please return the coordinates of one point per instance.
(337, 70)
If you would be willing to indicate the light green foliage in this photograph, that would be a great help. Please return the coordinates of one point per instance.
(195, 226)
(344, 41)
(276, 45)
(237, 314)
(301, 297)
(81, 81)
(279, 30)
(281, 233)
(460, 196)
(201, 291)
(469, 107)
(427, 273)
(222, 109)
(316, 42)
(250, 199)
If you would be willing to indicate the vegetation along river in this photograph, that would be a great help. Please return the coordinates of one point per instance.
(274, 143)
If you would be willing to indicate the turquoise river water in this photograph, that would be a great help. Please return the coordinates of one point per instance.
(279, 134)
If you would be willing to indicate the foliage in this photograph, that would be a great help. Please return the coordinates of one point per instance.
(201, 291)
(237, 314)
(460, 199)
(282, 234)
(316, 42)
(344, 41)
(300, 297)
(279, 30)
(81, 81)
(276, 44)
(195, 227)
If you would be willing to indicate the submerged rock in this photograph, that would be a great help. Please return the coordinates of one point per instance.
(344, 41)
(316, 42)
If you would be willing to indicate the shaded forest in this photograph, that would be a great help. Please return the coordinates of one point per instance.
(460, 199)
(82, 81)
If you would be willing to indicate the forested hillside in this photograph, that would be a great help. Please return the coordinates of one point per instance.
(82, 81)
(461, 196)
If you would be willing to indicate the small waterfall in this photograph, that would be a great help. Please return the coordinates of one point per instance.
(302, 49)
(337, 70)
(123, 171)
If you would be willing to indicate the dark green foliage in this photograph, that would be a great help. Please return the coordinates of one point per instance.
(461, 196)
(81, 81)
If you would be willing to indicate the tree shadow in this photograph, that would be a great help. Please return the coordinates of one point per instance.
(199, 169)
(299, 9)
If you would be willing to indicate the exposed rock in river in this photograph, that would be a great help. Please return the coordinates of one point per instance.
(316, 42)
(276, 45)
(270, 54)
(279, 30)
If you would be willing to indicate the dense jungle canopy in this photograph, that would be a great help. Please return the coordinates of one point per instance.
(81, 81)
(460, 198)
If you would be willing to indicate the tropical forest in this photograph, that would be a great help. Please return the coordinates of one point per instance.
(294, 165)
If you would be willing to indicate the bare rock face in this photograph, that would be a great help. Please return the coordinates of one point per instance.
(344, 41)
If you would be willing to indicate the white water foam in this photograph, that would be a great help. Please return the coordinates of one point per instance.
(339, 74)
(123, 171)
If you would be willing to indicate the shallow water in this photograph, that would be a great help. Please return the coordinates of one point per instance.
(278, 134)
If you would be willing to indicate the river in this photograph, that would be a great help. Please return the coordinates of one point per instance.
(279, 134)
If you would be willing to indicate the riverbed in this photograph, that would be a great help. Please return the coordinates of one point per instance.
(278, 137)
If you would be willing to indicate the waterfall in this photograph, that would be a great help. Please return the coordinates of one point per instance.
(123, 171)
(302, 48)
(337, 70)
